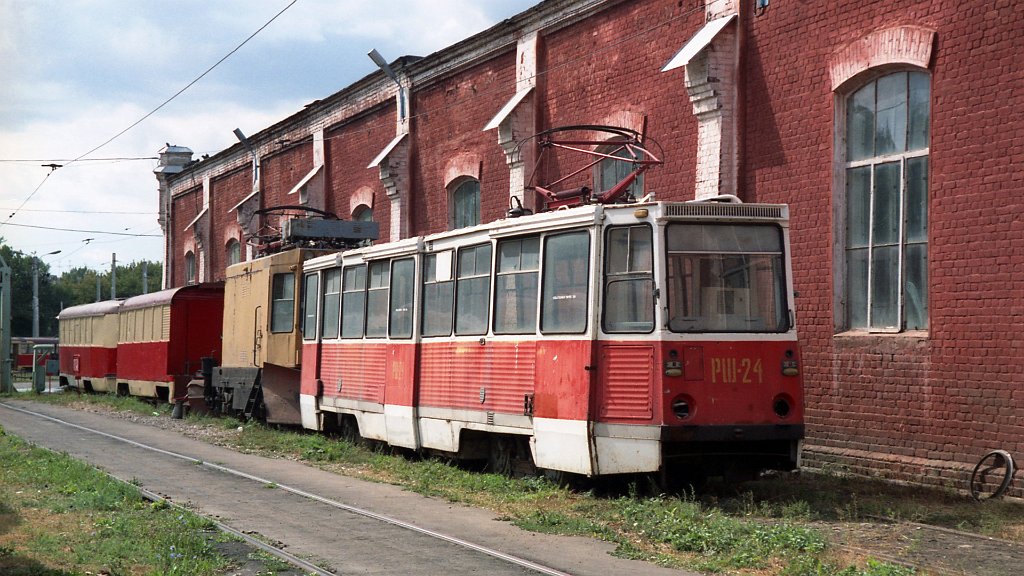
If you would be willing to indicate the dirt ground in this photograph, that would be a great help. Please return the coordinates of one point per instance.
(932, 550)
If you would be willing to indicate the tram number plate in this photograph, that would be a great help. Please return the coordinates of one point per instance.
(736, 371)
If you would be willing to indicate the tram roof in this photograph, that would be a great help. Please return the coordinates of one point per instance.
(91, 309)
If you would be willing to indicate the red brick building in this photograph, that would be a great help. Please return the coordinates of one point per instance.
(891, 129)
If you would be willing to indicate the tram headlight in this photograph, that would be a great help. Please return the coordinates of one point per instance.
(682, 406)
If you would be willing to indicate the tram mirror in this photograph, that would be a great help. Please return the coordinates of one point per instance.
(444, 266)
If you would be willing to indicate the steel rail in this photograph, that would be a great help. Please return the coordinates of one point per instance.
(306, 567)
(539, 568)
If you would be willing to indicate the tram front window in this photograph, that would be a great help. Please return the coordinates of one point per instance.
(726, 278)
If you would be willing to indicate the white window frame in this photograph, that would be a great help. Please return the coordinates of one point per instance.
(841, 315)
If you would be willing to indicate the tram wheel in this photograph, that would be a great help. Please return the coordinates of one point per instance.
(994, 469)
(502, 453)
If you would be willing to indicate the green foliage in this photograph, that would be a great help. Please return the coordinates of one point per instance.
(76, 286)
(114, 530)
(721, 541)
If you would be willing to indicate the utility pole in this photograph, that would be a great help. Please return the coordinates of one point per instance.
(35, 296)
(6, 384)
(145, 277)
(35, 292)
(113, 276)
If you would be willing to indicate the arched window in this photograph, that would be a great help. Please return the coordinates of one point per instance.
(234, 252)
(362, 213)
(610, 172)
(886, 229)
(465, 203)
(190, 268)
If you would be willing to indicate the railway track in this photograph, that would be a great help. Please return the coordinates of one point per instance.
(260, 482)
(929, 549)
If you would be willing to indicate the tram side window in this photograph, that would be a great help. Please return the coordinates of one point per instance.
(282, 306)
(438, 294)
(566, 283)
(353, 302)
(515, 286)
(309, 297)
(379, 280)
(629, 280)
(332, 303)
(403, 278)
(472, 289)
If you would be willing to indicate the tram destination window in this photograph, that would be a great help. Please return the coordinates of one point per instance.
(566, 282)
(282, 306)
(515, 286)
(629, 280)
(726, 278)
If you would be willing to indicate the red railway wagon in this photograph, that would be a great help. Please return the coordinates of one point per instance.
(596, 340)
(88, 341)
(163, 335)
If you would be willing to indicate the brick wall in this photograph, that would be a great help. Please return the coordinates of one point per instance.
(610, 64)
(921, 407)
(350, 147)
(448, 120)
(186, 207)
(226, 191)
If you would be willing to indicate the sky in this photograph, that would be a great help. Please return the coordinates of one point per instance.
(76, 73)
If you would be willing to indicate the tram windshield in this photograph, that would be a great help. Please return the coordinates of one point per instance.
(726, 278)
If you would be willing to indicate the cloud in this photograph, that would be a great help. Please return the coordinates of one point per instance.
(77, 72)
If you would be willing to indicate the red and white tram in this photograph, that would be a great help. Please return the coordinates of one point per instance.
(596, 340)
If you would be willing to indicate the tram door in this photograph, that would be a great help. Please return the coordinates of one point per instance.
(565, 354)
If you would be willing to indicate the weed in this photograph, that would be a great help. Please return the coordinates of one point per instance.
(50, 492)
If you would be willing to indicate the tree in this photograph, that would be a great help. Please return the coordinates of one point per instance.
(21, 293)
(77, 286)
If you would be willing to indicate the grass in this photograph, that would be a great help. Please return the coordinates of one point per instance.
(767, 528)
(59, 517)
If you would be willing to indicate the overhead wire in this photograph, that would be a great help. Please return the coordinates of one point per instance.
(123, 212)
(154, 111)
(54, 160)
(87, 231)
(373, 125)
